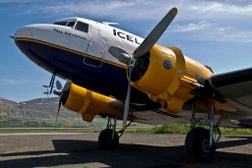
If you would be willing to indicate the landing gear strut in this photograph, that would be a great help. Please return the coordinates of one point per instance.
(108, 138)
(200, 144)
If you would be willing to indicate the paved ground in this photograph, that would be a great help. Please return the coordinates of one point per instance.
(136, 150)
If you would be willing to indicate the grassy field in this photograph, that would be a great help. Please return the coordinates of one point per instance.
(184, 129)
(166, 129)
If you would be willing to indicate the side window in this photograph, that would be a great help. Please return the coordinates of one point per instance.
(82, 27)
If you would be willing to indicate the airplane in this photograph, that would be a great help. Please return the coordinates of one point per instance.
(116, 74)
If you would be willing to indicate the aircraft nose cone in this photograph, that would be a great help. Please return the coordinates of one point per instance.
(34, 31)
(27, 31)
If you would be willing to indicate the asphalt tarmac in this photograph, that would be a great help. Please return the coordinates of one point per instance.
(136, 150)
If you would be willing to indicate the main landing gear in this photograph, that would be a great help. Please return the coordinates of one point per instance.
(200, 144)
(109, 138)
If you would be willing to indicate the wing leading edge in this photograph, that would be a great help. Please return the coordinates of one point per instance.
(235, 87)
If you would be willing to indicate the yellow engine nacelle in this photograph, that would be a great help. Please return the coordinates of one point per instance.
(89, 103)
(166, 80)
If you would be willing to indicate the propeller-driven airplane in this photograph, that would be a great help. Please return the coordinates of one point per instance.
(118, 75)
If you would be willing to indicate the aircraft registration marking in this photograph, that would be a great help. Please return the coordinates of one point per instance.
(69, 34)
(125, 36)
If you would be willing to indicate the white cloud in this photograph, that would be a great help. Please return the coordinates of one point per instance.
(142, 9)
(210, 19)
(221, 7)
(190, 27)
(215, 21)
(131, 9)
(8, 82)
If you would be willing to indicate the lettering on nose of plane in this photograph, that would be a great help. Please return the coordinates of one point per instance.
(125, 36)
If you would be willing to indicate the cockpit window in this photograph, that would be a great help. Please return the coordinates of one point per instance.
(71, 24)
(82, 27)
(63, 23)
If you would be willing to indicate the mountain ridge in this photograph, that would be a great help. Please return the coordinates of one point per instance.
(34, 108)
(39, 112)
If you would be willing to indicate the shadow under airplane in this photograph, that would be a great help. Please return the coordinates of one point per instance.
(74, 152)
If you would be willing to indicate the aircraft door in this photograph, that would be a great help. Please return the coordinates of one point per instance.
(95, 49)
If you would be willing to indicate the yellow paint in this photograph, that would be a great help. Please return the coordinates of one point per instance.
(172, 87)
(89, 103)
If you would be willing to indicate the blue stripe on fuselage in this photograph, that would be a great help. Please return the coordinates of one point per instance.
(107, 79)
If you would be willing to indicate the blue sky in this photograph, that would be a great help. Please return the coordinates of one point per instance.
(215, 33)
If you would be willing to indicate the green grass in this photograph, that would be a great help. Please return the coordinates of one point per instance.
(185, 128)
(7, 122)
(165, 129)
(236, 131)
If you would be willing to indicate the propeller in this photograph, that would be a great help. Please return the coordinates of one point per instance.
(156, 33)
(61, 93)
(145, 46)
(127, 101)
(58, 85)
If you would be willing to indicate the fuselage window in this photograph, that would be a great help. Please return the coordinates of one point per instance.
(82, 27)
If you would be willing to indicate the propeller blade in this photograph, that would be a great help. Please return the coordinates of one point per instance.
(120, 54)
(61, 92)
(155, 34)
(144, 47)
(58, 85)
(59, 106)
(127, 101)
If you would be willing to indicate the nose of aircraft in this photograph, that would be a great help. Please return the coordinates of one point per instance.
(28, 38)
(33, 31)
(32, 40)
(27, 31)
(23, 35)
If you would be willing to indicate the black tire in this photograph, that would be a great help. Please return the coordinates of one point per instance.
(107, 140)
(197, 145)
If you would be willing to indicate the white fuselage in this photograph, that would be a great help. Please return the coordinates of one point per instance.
(76, 49)
(95, 42)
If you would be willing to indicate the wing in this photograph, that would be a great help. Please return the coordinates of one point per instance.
(236, 89)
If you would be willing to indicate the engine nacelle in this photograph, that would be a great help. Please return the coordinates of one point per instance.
(89, 103)
(167, 78)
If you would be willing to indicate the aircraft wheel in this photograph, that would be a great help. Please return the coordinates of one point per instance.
(197, 145)
(107, 140)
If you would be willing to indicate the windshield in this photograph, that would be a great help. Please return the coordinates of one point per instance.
(73, 23)
(69, 23)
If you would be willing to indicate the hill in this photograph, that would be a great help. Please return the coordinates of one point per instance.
(40, 112)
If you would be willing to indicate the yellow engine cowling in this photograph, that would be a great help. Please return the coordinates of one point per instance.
(169, 78)
(89, 103)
